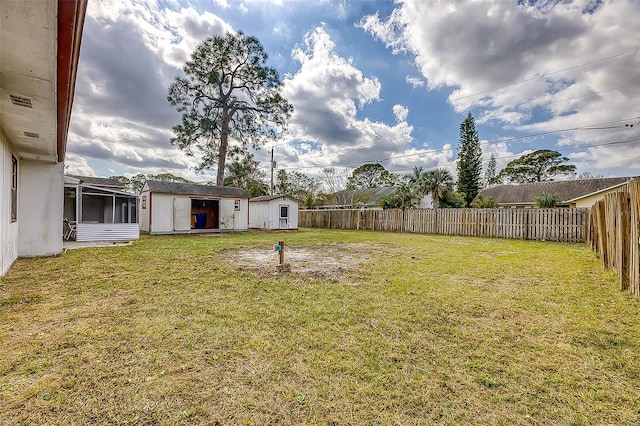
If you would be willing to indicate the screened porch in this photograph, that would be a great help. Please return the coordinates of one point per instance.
(99, 214)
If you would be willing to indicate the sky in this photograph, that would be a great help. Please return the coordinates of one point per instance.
(372, 82)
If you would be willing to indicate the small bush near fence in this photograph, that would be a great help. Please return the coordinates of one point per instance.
(563, 225)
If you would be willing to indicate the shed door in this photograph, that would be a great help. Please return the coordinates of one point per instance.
(284, 216)
(181, 214)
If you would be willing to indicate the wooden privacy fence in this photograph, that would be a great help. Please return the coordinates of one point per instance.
(565, 225)
(613, 232)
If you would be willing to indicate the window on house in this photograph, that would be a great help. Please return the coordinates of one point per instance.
(237, 205)
(144, 202)
(14, 189)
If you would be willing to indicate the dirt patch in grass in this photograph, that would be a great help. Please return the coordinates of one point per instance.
(330, 261)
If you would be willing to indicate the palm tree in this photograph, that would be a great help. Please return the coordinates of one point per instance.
(437, 182)
(417, 182)
(416, 177)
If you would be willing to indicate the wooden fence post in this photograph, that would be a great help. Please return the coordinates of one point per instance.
(622, 239)
(634, 236)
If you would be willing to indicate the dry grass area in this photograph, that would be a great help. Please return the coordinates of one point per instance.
(330, 262)
(369, 328)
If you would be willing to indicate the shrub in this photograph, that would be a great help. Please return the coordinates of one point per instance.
(546, 201)
(481, 203)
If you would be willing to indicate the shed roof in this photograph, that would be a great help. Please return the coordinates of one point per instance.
(272, 197)
(566, 190)
(195, 189)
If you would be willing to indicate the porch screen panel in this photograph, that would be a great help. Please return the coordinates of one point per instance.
(95, 208)
(126, 210)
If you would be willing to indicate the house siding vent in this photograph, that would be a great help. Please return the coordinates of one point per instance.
(31, 135)
(21, 101)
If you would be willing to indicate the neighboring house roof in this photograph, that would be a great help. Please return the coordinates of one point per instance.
(98, 181)
(195, 189)
(568, 190)
(272, 197)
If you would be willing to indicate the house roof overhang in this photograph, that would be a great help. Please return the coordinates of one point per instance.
(573, 200)
(39, 50)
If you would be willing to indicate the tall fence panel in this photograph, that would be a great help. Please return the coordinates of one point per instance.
(634, 237)
(613, 232)
(564, 225)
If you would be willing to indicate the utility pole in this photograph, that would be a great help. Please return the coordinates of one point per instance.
(273, 165)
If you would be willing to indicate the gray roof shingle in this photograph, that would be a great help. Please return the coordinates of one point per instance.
(98, 181)
(566, 190)
(272, 197)
(195, 189)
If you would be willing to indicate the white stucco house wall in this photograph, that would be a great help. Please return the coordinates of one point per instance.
(40, 44)
(179, 208)
(273, 212)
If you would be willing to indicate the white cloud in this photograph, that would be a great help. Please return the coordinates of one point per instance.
(428, 158)
(532, 66)
(130, 53)
(414, 81)
(77, 165)
(328, 92)
(401, 112)
(222, 3)
(171, 34)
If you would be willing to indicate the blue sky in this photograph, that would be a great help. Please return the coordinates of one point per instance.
(373, 81)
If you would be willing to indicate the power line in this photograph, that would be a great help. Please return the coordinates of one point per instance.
(564, 100)
(561, 150)
(533, 135)
(414, 136)
(589, 127)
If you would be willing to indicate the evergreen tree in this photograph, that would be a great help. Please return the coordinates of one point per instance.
(537, 166)
(371, 175)
(298, 185)
(469, 160)
(135, 183)
(490, 173)
(243, 172)
(228, 97)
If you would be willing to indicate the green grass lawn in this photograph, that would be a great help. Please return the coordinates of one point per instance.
(429, 329)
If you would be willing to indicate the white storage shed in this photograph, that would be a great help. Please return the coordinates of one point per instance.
(273, 212)
(179, 208)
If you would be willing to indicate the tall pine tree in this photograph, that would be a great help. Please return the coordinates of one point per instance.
(469, 160)
(490, 173)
